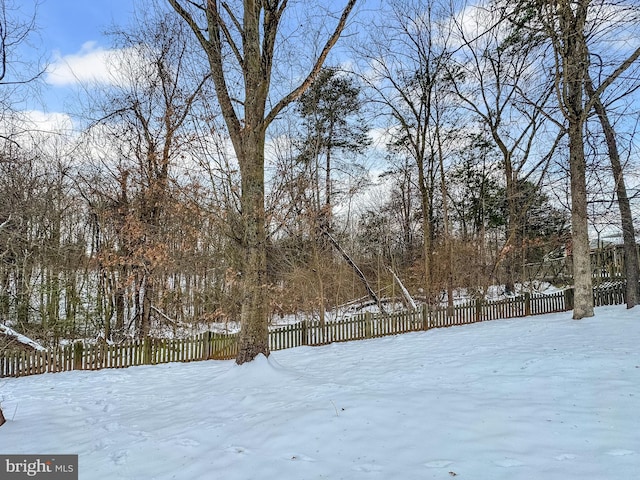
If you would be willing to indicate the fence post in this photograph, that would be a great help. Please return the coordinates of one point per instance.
(479, 302)
(568, 299)
(146, 351)
(367, 325)
(527, 304)
(77, 355)
(206, 351)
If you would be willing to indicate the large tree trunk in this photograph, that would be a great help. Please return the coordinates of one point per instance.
(574, 67)
(512, 245)
(631, 267)
(22, 295)
(425, 198)
(513, 209)
(583, 300)
(254, 332)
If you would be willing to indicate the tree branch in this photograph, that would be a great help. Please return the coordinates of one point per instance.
(213, 49)
(300, 89)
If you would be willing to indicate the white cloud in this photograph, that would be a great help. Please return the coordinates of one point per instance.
(34, 124)
(89, 65)
(48, 122)
(473, 23)
(35, 130)
(93, 65)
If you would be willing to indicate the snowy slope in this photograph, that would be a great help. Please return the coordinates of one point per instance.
(537, 398)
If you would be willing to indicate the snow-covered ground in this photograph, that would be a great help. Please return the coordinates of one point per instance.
(11, 334)
(536, 398)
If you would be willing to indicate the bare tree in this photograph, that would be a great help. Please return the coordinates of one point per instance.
(144, 116)
(570, 25)
(406, 58)
(244, 38)
(493, 75)
(17, 29)
(631, 267)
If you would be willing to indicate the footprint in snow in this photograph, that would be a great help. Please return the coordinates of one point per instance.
(508, 462)
(237, 449)
(187, 442)
(119, 457)
(91, 421)
(619, 452)
(367, 468)
(139, 435)
(300, 458)
(111, 427)
(566, 456)
(102, 444)
(438, 463)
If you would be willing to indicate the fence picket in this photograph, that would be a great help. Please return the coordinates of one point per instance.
(78, 356)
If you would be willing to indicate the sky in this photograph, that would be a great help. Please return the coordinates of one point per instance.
(543, 397)
(67, 24)
(71, 37)
(71, 33)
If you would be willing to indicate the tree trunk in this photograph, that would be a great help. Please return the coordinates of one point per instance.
(583, 305)
(631, 267)
(408, 299)
(357, 271)
(448, 244)
(120, 302)
(22, 297)
(513, 243)
(145, 321)
(254, 331)
(513, 208)
(425, 196)
(574, 68)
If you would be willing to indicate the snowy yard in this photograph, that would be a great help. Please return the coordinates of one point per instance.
(537, 398)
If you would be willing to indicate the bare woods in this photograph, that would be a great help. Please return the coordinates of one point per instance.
(236, 153)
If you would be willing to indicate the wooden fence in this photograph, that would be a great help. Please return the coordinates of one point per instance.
(80, 356)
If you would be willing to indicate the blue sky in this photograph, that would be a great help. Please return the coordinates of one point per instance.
(71, 37)
(66, 24)
(71, 31)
